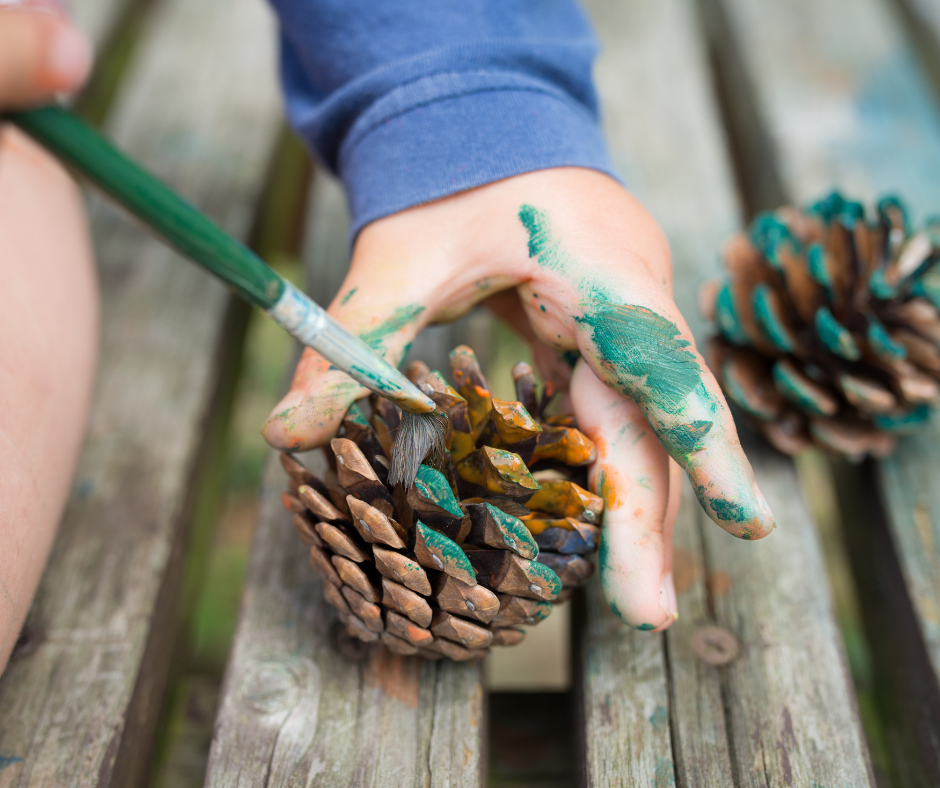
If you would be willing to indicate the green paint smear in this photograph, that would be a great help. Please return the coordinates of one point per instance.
(905, 422)
(726, 317)
(729, 511)
(835, 208)
(659, 718)
(542, 243)
(887, 205)
(645, 627)
(881, 287)
(648, 347)
(685, 438)
(769, 234)
(835, 336)
(348, 295)
(819, 269)
(774, 328)
(796, 391)
(663, 776)
(548, 575)
(401, 317)
(433, 485)
(356, 416)
(881, 342)
(514, 531)
(448, 548)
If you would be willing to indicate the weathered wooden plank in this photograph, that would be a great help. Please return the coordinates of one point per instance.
(923, 24)
(662, 123)
(98, 19)
(294, 710)
(622, 696)
(202, 110)
(847, 105)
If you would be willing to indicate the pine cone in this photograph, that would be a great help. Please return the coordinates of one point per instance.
(829, 326)
(473, 549)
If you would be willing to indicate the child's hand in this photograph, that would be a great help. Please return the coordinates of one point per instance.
(592, 272)
(41, 54)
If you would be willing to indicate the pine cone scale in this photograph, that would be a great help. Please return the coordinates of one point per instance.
(829, 325)
(477, 546)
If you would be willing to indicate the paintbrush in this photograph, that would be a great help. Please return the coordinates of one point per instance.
(201, 240)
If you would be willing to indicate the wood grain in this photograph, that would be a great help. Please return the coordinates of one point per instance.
(661, 119)
(325, 720)
(80, 709)
(851, 106)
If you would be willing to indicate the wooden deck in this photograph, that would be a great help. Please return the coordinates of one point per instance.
(713, 110)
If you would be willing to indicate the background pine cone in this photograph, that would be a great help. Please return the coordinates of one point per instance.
(474, 548)
(829, 326)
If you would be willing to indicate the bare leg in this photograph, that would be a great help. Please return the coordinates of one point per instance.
(48, 347)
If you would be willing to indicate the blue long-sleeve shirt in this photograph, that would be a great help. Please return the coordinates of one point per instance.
(412, 100)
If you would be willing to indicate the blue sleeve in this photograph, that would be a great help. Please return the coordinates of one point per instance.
(408, 101)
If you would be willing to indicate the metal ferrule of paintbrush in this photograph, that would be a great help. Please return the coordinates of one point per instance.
(197, 237)
(311, 324)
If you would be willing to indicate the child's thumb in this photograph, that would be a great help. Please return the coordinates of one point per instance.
(320, 394)
(41, 54)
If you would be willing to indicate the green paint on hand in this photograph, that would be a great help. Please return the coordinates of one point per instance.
(348, 295)
(835, 336)
(645, 627)
(542, 243)
(685, 438)
(648, 348)
(728, 511)
(401, 317)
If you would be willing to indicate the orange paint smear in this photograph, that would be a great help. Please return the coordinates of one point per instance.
(395, 675)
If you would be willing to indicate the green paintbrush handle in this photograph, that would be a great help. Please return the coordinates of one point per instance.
(197, 237)
(159, 207)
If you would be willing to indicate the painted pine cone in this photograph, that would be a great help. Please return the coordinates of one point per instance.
(829, 326)
(471, 551)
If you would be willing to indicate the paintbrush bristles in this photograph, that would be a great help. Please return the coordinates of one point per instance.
(420, 439)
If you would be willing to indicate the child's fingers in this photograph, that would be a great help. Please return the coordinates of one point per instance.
(647, 354)
(632, 474)
(320, 394)
(41, 54)
(608, 294)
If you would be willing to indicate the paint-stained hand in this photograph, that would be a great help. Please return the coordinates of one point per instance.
(586, 268)
(41, 53)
